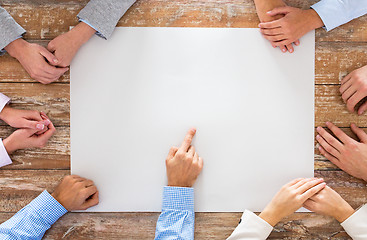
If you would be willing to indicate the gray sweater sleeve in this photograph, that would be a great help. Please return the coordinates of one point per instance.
(10, 30)
(103, 15)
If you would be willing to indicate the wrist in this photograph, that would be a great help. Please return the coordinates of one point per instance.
(15, 48)
(174, 184)
(270, 217)
(9, 145)
(83, 32)
(4, 112)
(343, 213)
(314, 19)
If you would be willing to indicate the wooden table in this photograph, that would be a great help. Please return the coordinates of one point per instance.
(337, 53)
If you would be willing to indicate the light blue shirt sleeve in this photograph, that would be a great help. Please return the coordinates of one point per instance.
(33, 220)
(337, 12)
(178, 216)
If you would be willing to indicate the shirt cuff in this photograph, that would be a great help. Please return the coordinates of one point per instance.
(356, 224)
(251, 227)
(90, 25)
(178, 198)
(48, 207)
(3, 101)
(4, 156)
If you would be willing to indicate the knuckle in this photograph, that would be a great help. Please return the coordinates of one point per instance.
(189, 159)
(68, 178)
(180, 155)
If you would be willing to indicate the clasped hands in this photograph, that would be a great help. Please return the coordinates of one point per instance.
(283, 25)
(34, 129)
(48, 65)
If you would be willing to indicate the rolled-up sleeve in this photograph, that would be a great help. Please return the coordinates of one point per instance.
(104, 15)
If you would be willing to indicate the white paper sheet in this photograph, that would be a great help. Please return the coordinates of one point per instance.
(135, 95)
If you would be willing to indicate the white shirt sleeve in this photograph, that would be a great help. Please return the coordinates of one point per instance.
(4, 156)
(337, 12)
(251, 227)
(3, 101)
(356, 224)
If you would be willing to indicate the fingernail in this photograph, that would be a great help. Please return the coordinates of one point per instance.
(318, 129)
(290, 50)
(47, 122)
(327, 123)
(318, 137)
(40, 126)
(268, 12)
(284, 50)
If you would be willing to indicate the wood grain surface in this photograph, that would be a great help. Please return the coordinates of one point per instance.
(338, 52)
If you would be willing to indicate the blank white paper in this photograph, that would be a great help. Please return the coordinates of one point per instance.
(136, 95)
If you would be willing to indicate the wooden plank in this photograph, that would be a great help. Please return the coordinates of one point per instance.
(53, 99)
(207, 226)
(56, 155)
(329, 106)
(49, 20)
(20, 187)
(333, 61)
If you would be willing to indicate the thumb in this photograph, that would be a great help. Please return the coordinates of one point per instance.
(51, 46)
(49, 56)
(35, 125)
(280, 10)
(28, 132)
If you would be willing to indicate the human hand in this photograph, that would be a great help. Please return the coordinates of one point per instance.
(330, 203)
(354, 88)
(76, 193)
(290, 198)
(295, 23)
(28, 138)
(23, 118)
(67, 45)
(345, 152)
(262, 8)
(183, 164)
(32, 57)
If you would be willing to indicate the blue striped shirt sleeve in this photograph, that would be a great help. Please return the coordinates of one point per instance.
(33, 220)
(178, 216)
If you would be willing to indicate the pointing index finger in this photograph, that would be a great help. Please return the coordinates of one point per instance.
(188, 139)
